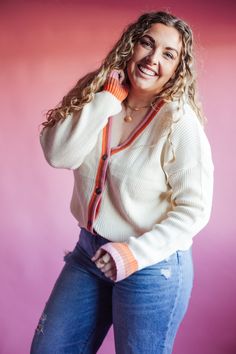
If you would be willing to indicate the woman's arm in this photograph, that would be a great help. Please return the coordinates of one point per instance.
(189, 172)
(70, 140)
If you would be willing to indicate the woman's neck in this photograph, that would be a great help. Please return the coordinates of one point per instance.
(139, 100)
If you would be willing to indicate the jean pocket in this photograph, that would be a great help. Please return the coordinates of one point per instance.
(184, 256)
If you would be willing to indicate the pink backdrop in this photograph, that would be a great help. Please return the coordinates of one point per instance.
(45, 47)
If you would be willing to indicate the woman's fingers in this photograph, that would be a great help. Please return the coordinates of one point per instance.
(101, 257)
(105, 263)
(104, 266)
(109, 270)
(107, 267)
(98, 254)
(121, 76)
(100, 263)
(110, 274)
(106, 258)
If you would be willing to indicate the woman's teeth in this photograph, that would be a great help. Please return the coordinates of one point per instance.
(146, 71)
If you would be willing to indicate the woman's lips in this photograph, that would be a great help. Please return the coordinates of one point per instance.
(147, 71)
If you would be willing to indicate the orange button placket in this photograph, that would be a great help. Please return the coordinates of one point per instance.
(95, 200)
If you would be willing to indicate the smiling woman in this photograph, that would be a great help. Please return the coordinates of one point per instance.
(143, 178)
(155, 59)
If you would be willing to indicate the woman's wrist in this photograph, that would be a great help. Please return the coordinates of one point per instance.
(123, 258)
(115, 87)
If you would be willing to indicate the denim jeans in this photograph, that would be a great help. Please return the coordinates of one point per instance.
(145, 309)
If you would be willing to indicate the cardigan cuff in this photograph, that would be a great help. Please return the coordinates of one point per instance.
(113, 86)
(124, 260)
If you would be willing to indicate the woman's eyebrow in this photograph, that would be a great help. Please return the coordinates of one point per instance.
(170, 48)
(153, 41)
(149, 37)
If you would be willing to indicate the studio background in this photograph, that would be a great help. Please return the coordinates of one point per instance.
(45, 47)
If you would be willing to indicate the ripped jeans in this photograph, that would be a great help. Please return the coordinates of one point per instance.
(145, 309)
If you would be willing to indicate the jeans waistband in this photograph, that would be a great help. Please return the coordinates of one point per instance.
(90, 242)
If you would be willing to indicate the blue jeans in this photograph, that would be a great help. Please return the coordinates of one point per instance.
(145, 309)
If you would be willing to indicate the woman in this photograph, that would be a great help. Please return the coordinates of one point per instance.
(132, 134)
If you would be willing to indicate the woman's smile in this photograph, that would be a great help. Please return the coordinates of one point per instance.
(154, 61)
(146, 71)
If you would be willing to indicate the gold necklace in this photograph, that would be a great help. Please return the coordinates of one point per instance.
(128, 117)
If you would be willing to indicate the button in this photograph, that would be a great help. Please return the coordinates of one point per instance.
(104, 157)
(98, 190)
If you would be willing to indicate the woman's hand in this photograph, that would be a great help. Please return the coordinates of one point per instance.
(105, 263)
(121, 75)
(115, 84)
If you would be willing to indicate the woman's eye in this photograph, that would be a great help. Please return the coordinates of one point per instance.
(145, 43)
(169, 55)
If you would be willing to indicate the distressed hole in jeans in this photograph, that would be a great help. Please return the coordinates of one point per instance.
(166, 272)
(41, 323)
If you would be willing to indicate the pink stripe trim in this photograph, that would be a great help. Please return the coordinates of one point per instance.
(104, 169)
(125, 262)
(120, 266)
(150, 115)
(109, 136)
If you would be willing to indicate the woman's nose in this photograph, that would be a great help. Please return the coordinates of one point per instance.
(154, 57)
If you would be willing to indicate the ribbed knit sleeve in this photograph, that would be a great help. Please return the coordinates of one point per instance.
(125, 261)
(189, 173)
(70, 140)
(113, 86)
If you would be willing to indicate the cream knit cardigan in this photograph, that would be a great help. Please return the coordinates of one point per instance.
(150, 195)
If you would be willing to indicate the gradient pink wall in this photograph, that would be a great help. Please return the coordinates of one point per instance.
(45, 47)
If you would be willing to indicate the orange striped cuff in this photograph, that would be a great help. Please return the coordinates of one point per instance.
(113, 86)
(124, 260)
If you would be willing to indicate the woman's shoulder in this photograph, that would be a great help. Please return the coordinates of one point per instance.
(186, 128)
(176, 117)
(181, 111)
(187, 139)
(182, 117)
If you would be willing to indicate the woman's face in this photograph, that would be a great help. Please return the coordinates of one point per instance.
(156, 57)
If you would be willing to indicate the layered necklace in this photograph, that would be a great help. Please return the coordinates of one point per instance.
(129, 116)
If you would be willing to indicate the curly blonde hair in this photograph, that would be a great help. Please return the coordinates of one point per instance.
(183, 84)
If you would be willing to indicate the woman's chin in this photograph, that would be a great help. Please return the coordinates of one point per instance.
(143, 88)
